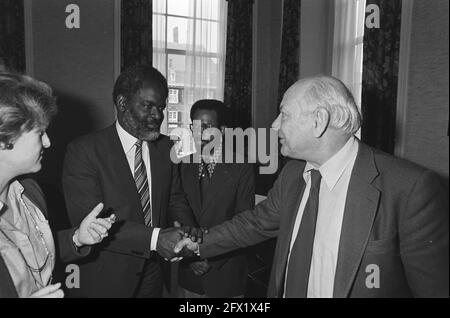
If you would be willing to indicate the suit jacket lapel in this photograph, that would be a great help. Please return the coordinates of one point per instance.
(359, 215)
(191, 178)
(35, 195)
(8, 289)
(120, 163)
(158, 178)
(220, 176)
(295, 189)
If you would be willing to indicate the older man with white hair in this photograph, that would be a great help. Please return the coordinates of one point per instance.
(350, 221)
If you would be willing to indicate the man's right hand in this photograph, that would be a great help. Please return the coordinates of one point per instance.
(51, 291)
(167, 240)
(186, 243)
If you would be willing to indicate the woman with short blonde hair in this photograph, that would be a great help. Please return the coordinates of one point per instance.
(27, 247)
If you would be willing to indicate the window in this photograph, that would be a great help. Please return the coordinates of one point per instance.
(174, 96)
(172, 117)
(189, 49)
(348, 44)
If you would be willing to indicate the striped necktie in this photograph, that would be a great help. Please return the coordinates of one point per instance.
(140, 177)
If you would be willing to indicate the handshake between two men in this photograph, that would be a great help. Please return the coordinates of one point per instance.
(180, 241)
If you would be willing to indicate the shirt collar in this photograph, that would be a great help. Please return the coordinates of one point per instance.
(126, 139)
(15, 189)
(333, 169)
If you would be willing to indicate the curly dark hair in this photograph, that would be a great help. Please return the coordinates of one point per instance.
(25, 104)
(132, 80)
(216, 106)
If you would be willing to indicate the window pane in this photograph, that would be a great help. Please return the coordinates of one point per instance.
(207, 35)
(159, 6)
(206, 75)
(181, 7)
(159, 31)
(176, 69)
(208, 9)
(177, 33)
(189, 51)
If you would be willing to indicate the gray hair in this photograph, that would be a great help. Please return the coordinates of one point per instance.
(331, 94)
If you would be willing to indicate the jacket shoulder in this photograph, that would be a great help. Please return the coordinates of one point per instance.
(165, 141)
(93, 138)
(293, 166)
(34, 192)
(396, 167)
(401, 175)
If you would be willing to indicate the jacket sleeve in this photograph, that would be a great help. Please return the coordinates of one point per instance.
(68, 252)
(245, 200)
(7, 288)
(83, 192)
(179, 209)
(246, 189)
(247, 228)
(424, 241)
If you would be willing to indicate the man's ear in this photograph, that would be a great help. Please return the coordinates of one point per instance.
(321, 121)
(121, 103)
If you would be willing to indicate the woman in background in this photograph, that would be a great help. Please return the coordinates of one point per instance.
(27, 247)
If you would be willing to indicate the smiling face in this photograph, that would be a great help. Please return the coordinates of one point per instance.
(295, 127)
(26, 155)
(143, 113)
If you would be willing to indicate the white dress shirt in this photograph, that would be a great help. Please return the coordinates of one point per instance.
(129, 147)
(336, 174)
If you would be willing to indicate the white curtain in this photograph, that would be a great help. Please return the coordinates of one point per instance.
(159, 36)
(349, 21)
(191, 52)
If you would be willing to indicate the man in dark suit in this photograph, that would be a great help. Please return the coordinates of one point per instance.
(351, 221)
(127, 166)
(216, 191)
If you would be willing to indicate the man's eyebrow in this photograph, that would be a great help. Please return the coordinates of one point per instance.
(151, 102)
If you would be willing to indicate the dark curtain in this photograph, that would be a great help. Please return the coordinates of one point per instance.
(380, 77)
(289, 73)
(238, 64)
(12, 35)
(290, 46)
(136, 32)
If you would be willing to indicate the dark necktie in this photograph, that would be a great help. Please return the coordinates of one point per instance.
(300, 259)
(140, 177)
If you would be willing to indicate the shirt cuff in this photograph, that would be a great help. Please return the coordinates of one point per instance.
(83, 250)
(197, 252)
(154, 240)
